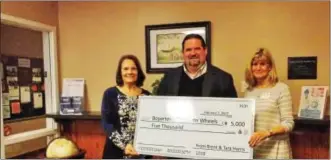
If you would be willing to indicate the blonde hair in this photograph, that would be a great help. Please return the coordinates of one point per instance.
(272, 76)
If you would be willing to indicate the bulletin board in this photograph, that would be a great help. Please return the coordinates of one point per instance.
(23, 90)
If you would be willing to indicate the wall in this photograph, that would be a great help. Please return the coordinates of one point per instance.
(93, 36)
(44, 12)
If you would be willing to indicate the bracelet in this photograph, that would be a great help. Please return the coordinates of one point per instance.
(270, 133)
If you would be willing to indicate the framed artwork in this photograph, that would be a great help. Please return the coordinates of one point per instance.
(164, 44)
(313, 102)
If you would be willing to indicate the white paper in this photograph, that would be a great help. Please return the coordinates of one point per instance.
(36, 74)
(312, 102)
(36, 79)
(6, 111)
(11, 70)
(5, 99)
(220, 124)
(25, 94)
(12, 81)
(14, 93)
(23, 62)
(38, 100)
(73, 87)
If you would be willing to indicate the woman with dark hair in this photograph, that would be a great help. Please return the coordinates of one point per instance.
(119, 106)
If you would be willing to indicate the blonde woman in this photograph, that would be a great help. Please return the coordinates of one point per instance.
(273, 113)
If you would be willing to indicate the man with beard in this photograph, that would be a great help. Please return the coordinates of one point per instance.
(196, 77)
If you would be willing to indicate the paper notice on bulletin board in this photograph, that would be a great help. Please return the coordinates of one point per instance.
(25, 94)
(11, 71)
(12, 81)
(37, 100)
(36, 74)
(15, 107)
(14, 93)
(6, 111)
(23, 62)
(5, 99)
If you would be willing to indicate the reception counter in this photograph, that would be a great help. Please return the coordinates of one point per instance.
(310, 139)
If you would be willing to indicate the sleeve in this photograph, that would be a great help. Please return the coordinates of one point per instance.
(106, 111)
(231, 90)
(121, 139)
(285, 107)
(108, 118)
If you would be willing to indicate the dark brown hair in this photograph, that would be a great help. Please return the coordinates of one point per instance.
(194, 36)
(141, 75)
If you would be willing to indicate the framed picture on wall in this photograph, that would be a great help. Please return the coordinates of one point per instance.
(164, 44)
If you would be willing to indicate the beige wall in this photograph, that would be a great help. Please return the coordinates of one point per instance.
(93, 35)
(44, 12)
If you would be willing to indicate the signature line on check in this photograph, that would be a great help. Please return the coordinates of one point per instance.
(183, 123)
(161, 145)
(188, 130)
(220, 150)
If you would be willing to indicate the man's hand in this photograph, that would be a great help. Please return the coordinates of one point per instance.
(129, 150)
(258, 137)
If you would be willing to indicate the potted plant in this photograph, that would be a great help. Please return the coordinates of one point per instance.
(155, 85)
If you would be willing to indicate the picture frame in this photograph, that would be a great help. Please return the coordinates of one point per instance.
(313, 101)
(163, 44)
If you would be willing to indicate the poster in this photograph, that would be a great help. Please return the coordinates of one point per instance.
(6, 111)
(36, 75)
(15, 107)
(312, 102)
(5, 99)
(25, 94)
(73, 87)
(11, 71)
(14, 93)
(12, 81)
(37, 100)
(24, 62)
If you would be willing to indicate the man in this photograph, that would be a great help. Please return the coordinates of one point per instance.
(196, 77)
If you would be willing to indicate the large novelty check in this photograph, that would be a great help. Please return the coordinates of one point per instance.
(195, 127)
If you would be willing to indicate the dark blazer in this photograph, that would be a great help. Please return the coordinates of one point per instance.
(217, 83)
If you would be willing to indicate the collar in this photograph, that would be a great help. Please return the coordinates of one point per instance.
(202, 70)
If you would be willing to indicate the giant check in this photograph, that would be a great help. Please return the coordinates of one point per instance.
(199, 127)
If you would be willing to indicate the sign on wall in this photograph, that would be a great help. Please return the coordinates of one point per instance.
(302, 68)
